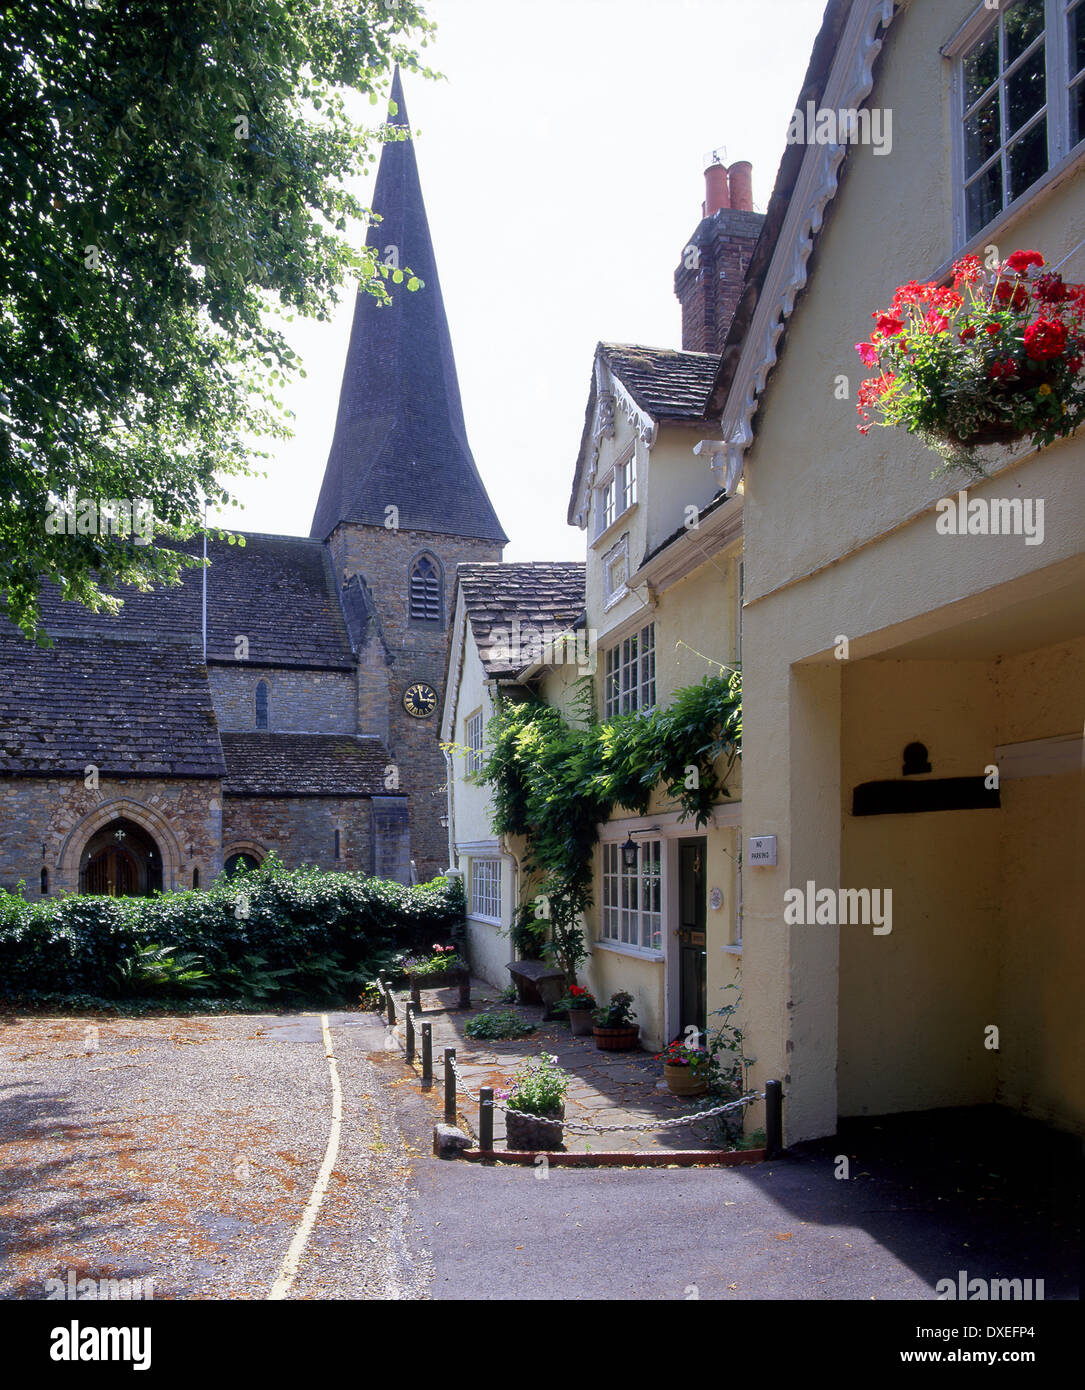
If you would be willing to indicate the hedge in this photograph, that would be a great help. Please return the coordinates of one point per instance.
(307, 924)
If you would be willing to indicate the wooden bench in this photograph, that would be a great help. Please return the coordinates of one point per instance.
(537, 983)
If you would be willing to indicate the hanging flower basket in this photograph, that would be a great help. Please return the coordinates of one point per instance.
(995, 359)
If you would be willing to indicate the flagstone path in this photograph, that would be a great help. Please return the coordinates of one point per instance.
(622, 1089)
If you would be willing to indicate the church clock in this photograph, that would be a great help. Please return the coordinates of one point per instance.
(420, 700)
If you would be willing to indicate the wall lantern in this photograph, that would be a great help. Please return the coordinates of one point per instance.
(629, 853)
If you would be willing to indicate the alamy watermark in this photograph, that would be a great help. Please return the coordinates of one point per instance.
(991, 516)
(822, 125)
(71, 1286)
(832, 907)
(105, 516)
(993, 1289)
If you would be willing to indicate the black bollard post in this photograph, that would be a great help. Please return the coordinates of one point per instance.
(409, 1020)
(774, 1127)
(486, 1117)
(450, 1086)
(391, 1009)
(427, 1054)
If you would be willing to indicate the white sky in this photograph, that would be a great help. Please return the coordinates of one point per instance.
(561, 165)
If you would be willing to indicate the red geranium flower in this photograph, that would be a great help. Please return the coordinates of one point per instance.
(1020, 261)
(1015, 295)
(1045, 338)
(868, 352)
(966, 271)
(1051, 289)
(1004, 367)
(874, 388)
(968, 332)
(936, 322)
(889, 324)
(993, 328)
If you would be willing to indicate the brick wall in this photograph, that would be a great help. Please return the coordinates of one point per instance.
(418, 653)
(709, 279)
(300, 702)
(183, 817)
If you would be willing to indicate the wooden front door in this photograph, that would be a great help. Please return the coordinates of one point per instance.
(113, 872)
(692, 950)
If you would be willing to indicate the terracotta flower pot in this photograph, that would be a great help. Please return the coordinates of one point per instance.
(685, 1081)
(580, 1021)
(539, 1132)
(621, 1039)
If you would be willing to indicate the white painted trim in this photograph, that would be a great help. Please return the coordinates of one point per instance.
(667, 825)
(485, 921)
(850, 82)
(619, 948)
(479, 849)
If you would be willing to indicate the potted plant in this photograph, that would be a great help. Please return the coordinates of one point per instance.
(686, 1069)
(538, 1092)
(994, 358)
(613, 1026)
(443, 966)
(578, 1004)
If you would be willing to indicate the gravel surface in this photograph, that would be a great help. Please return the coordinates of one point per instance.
(185, 1150)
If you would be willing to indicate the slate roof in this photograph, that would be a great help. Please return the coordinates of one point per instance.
(668, 384)
(132, 708)
(272, 764)
(665, 383)
(543, 595)
(400, 438)
(278, 591)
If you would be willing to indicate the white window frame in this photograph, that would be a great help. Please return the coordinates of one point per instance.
(486, 890)
(613, 592)
(474, 739)
(1059, 83)
(629, 681)
(616, 494)
(631, 900)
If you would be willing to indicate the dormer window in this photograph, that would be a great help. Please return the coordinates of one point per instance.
(616, 494)
(261, 704)
(424, 597)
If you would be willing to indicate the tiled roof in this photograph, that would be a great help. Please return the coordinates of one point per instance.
(545, 597)
(277, 591)
(130, 708)
(400, 438)
(669, 385)
(268, 764)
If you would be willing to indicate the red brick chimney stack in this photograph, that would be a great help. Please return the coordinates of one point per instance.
(712, 269)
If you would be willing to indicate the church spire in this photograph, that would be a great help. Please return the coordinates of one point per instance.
(400, 439)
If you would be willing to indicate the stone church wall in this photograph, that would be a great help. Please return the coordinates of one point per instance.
(299, 702)
(301, 830)
(183, 817)
(419, 653)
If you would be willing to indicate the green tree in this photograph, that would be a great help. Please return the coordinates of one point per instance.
(172, 178)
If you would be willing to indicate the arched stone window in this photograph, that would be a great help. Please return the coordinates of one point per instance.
(240, 862)
(425, 590)
(261, 704)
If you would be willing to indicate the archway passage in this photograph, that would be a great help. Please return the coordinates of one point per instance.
(120, 860)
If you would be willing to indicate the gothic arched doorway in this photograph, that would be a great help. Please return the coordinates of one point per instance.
(120, 861)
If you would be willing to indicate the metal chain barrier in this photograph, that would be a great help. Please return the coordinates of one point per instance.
(582, 1127)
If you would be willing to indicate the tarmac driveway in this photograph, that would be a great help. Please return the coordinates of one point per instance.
(187, 1151)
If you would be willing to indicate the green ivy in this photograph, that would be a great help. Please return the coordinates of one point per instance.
(552, 783)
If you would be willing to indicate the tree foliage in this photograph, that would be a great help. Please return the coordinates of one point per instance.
(170, 176)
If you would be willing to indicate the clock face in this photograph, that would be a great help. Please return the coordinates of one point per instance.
(420, 700)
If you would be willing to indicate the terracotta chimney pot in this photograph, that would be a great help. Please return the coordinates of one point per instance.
(740, 182)
(717, 195)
